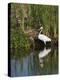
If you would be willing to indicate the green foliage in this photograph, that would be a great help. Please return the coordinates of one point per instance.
(35, 15)
(19, 40)
(45, 15)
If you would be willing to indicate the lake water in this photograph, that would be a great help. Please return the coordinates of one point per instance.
(38, 62)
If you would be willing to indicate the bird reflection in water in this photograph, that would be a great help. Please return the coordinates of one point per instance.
(42, 55)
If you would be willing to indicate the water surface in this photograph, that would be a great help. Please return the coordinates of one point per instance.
(38, 62)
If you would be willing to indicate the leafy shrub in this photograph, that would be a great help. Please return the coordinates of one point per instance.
(19, 40)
